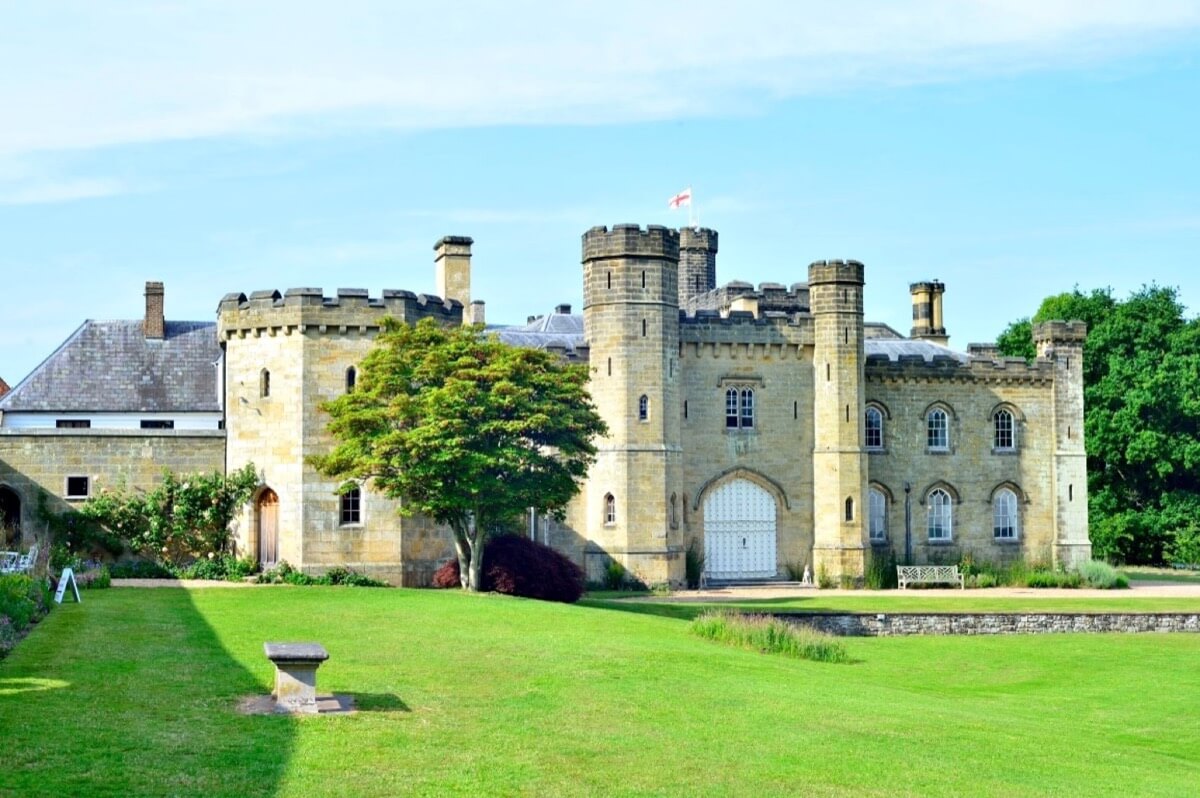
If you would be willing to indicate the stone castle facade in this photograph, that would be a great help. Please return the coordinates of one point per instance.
(771, 428)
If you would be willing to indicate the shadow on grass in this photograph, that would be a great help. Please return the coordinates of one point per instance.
(132, 693)
(378, 702)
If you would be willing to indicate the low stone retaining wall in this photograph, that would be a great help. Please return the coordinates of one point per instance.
(992, 623)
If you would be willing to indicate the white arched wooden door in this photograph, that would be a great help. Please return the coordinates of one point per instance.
(739, 532)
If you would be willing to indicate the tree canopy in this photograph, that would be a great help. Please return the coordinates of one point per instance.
(1142, 419)
(465, 429)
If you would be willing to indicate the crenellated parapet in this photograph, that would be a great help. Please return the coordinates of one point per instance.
(734, 295)
(947, 368)
(1060, 332)
(631, 241)
(302, 309)
(707, 327)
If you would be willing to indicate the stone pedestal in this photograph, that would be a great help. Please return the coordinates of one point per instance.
(296, 674)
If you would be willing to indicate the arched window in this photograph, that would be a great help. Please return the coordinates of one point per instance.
(874, 427)
(940, 514)
(1003, 430)
(610, 509)
(643, 408)
(849, 508)
(877, 515)
(351, 510)
(264, 383)
(674, 512)
(351, 378)
(937, 428)
(739, 408)
(1005, 525)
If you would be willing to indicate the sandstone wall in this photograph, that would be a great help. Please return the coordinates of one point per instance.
(33, 462)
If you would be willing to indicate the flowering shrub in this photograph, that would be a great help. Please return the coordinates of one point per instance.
(23, 601)
(182, 520)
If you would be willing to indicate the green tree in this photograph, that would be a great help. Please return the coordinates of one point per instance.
(1142, 419)
(181, 519)
(464, 429)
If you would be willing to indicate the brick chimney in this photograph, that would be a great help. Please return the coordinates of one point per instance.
(154, 326)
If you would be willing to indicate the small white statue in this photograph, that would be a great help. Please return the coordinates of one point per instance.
(807, 575)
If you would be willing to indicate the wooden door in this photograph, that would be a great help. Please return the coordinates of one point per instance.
(268, 527)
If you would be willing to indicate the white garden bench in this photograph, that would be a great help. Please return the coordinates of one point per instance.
(928, 575)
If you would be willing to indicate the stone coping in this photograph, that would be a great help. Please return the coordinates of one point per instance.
(295, 652)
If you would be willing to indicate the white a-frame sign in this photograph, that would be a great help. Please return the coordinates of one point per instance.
(62, 586)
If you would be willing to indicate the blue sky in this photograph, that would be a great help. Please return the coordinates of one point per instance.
(1012, 148)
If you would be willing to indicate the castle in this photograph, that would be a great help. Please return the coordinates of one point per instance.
(771, 427)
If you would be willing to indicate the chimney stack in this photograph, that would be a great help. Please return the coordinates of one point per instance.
(452, 264)
(154, 326)
(927, 312)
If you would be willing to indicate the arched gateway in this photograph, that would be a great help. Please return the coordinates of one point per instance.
(739, 532)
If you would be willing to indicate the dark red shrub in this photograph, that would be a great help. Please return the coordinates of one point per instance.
(518, 566)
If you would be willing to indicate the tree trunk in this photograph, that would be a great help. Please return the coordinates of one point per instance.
(477, 565)
(462, 548)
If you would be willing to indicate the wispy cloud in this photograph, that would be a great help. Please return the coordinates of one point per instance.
(66, 190)
(80, 76)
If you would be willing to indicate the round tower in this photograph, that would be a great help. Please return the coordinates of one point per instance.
(631, 324)
(839, 459)
(697, 262)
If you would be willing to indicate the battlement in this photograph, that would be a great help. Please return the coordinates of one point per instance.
(769, 297)
(1060, 332)
(631, 241)
(701, 238)
(835, 271)
(881, 367)
(743, 327)
(350, 308)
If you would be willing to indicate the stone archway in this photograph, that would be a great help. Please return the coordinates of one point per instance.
(740, 531)
(266, 521)
(10, 517)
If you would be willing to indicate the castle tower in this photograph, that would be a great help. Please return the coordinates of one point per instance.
(1062, 343)
(285, 356)
(927, 312)
(697, 262)
(452, 264)
(631, 324)
(839, 459)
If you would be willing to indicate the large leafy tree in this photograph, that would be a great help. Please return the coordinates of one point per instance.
(1142, 419)
(465, 429)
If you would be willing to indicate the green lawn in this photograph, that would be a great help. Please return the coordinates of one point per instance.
(1146, 573)
(892, 601)
(133, 693)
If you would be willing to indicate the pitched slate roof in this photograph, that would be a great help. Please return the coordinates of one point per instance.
(110, 366)
(553, 329)
(893, 349)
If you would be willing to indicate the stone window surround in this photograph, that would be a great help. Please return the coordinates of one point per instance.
(87, 487)
(350, 506)
(881, 410)
(741, 384)
(610, 510)
(873, 490)
(951, 499)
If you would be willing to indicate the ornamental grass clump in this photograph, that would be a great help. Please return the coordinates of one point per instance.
(768, 636)
(1096, 573)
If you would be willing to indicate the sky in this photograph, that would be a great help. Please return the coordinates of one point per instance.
(1012, 149)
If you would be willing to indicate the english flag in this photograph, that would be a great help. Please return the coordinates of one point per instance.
(682, 198)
